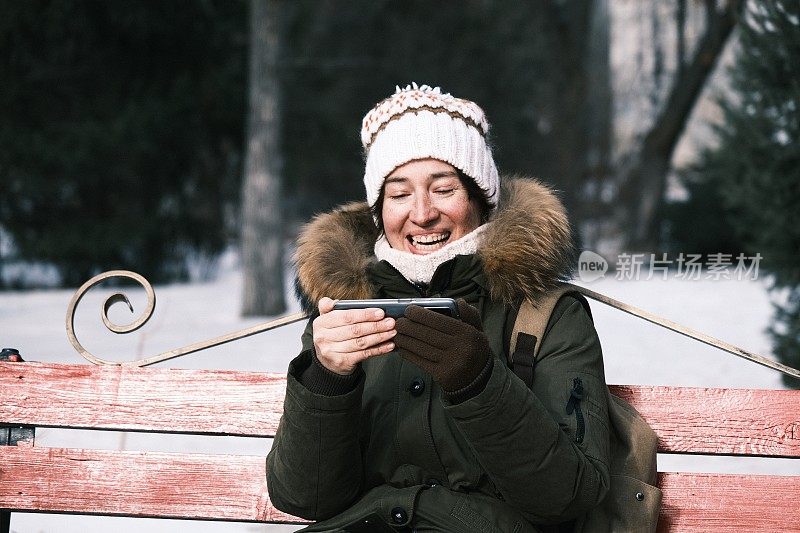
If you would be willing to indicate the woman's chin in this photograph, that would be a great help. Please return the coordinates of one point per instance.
(423, 250)
(415, 251)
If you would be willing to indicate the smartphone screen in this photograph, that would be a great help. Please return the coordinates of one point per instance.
(395, 307)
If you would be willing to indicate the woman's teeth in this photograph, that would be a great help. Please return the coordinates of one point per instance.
(430, 240)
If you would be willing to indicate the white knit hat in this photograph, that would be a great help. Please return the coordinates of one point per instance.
(419, 122)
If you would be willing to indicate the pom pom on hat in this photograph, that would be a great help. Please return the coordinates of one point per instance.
(420, 122)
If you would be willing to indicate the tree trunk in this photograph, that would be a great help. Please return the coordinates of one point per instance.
(597, 109)
(262, 221)
(633, 224)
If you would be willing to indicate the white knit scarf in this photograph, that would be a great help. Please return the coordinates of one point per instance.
(420, 268)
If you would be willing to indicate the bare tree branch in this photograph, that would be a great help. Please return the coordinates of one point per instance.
(666, 130)
(643, 181)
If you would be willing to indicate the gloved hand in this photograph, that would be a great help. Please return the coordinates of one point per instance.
(453, 351)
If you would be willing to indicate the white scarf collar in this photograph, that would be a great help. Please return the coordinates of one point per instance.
(420, 268)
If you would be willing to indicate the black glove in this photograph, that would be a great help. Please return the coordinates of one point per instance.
(453, 351)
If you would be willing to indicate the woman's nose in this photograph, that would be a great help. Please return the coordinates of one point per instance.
(423, 212)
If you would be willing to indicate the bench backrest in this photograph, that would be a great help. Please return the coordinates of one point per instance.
(709, 421)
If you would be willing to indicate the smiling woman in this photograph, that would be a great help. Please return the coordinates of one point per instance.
(426, 206)
(418, 423)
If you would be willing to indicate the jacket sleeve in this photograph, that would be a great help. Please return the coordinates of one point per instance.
(546, 449)
(314, 467)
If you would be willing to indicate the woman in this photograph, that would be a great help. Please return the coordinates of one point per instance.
(418, 424)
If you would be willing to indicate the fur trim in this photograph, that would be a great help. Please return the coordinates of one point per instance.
(332, 255)
(526, 250)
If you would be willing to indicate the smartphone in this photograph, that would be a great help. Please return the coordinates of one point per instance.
(395, 307)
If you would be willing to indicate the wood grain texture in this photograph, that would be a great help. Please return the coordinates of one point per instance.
(167, 485)
(763, 423)
(687, 420)
(218, 402)
(726, 503)
(224, 487)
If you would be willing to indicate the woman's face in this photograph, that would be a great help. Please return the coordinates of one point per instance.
(425, 206)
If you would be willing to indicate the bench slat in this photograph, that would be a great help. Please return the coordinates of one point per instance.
(727, 503)
(224, 487)
(165, 485)
(219, 402)
(762, 423)
(713, 421)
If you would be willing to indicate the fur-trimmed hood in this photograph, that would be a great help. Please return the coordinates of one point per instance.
(526, 250)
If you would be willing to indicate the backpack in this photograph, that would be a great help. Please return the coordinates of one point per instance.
(633, 501)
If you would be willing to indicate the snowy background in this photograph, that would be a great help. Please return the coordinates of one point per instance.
(635, 352)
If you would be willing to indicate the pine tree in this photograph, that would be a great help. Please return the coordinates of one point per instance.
(756, 166)
(121, 132)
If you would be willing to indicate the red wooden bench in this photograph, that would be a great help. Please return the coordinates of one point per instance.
(742, 422)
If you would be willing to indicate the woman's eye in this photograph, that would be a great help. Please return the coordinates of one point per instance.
(445, 191)
(398, 196)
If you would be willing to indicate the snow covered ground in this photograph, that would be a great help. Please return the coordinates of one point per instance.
(635, 352)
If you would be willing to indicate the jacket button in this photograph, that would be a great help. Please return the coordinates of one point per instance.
(399, 515)
(417, 386)
(640, 496)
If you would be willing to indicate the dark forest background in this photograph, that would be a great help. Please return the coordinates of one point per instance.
(152, 136)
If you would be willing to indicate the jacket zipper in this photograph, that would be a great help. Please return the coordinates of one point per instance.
(574, 404)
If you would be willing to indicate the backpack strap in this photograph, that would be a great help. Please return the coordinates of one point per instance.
(529, 328)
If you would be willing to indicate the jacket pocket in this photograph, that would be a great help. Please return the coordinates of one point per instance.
(574, 407)
(586, 415)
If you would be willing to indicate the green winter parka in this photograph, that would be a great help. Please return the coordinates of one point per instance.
(393, 454)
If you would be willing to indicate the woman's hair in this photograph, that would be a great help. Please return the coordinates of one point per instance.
(474, 192)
